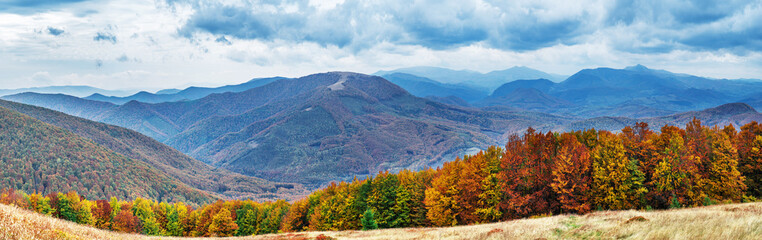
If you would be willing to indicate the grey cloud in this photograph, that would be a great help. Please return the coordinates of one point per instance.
(55, 31)
(33, 6)
(692, 25)
(223, 40)
(358, 25)
(105, 36)
(361, 24)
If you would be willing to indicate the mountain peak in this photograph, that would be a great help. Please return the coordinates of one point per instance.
(637, 68)
(731, 109)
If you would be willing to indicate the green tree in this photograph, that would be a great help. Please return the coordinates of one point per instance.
(65, 208)
(246, 219)
(174, 226)
(369, 220)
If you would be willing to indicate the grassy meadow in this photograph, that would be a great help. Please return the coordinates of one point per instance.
(729, 221)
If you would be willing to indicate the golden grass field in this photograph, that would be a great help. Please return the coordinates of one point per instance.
(731, 221)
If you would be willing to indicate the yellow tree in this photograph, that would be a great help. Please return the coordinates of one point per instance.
(676, 181)
(724, 181)
(614, 184)
(223, 224)
(440, 200)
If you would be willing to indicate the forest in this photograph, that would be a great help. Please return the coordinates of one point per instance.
(533, 175)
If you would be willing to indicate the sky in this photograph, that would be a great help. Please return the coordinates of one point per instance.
(154, 44)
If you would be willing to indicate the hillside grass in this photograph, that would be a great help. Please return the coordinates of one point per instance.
(731, 221)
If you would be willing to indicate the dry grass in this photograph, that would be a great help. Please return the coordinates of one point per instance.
(733, 221)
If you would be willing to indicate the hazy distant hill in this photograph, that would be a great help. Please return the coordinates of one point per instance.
(424, 87)
(486, 81)
(660, 89)
(172, 95)
(543, 85)
(38, 157)
(529, 99)
(64, 103)
(737, 114)
(172, 162)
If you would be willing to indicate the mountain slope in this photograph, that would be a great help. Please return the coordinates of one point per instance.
(170, 161)
(191, 93)
(40, 157)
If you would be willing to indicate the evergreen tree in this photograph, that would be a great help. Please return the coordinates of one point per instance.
(369, 220)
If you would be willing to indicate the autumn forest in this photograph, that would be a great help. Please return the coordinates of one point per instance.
(537, 174)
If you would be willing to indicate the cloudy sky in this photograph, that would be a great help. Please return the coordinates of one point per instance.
(151, 44)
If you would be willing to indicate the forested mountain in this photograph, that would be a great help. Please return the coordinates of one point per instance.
(38, 157)
(172, 95)
(170, 161)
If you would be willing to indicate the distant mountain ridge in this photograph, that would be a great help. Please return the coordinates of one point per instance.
(485, 81)
(173, 95)
(77, 91)
(424, 87)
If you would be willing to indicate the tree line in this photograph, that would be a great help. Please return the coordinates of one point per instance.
(536, 174)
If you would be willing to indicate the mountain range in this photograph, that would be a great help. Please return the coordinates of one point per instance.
(482, 81)
(77, 91)
(334, 126)
(173, 95)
